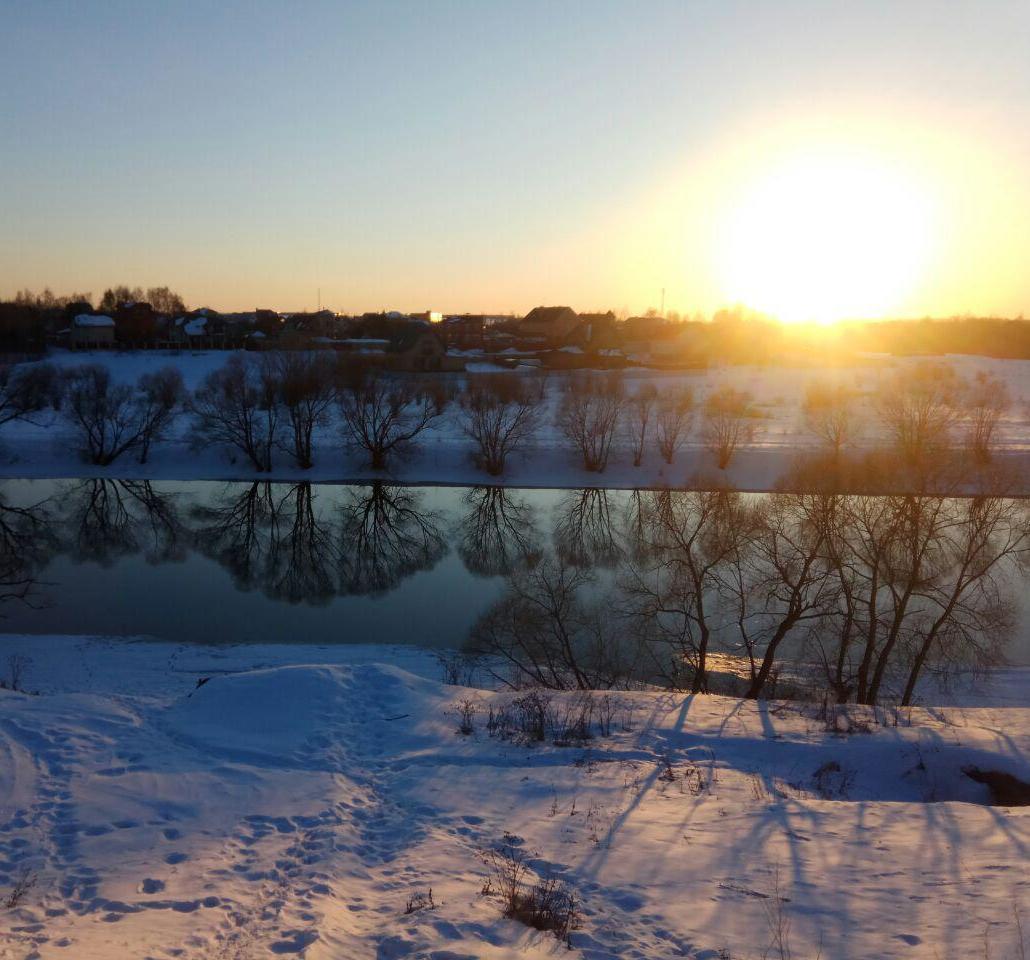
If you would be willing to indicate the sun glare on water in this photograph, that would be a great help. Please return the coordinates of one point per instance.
(819, 238)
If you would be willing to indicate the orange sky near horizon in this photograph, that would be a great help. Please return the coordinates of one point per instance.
(815, 163)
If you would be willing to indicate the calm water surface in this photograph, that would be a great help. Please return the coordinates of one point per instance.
(215, 562)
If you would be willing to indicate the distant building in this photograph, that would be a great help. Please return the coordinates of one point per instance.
(596, 331)
(465, 332)
(136, 322)
(416, 348)
(553, 324)
(88, 331)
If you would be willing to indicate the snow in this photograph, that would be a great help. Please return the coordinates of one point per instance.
(46, 446)
(88, 320)
(295, 802)
(196, 328)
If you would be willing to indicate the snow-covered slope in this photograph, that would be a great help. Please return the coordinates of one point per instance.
(298, 810)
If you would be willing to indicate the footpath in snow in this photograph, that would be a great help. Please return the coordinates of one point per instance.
(306, 801)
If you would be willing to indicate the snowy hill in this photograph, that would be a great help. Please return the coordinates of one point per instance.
(337, 811)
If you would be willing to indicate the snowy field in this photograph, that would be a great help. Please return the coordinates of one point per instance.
(300, 801)
(47, 448)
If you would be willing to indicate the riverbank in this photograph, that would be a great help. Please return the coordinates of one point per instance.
(47, 446)
(316, 803)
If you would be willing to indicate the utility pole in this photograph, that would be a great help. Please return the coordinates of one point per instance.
(319, 299)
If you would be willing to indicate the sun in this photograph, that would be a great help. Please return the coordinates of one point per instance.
(826, 235)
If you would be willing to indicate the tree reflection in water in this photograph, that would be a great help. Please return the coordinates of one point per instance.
(271, 537)
(498, 533)
(235, 531)
(585, 532)
(386, 536)
(105, 520)
(869, 592)
(303, 554)
(26, 544)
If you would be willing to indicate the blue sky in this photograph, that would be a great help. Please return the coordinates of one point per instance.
(479, 156)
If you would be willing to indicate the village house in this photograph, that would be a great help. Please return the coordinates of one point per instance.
(415, 348)
(550, 324)
(88, 331)
(465, 332)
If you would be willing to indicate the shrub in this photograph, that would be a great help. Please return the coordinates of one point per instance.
(499, 411)
(547, 904)
(238, 406)
(383, 414)
(114, 418)
(307, 390)
(640, 410)
(673, 421)
(727, 423)
(589, 416)
(830, 414)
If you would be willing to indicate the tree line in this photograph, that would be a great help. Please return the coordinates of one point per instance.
(260, 407)
(841, 597)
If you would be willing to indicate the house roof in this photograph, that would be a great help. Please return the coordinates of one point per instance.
(549, 314)
(407, 337)
(89, 320)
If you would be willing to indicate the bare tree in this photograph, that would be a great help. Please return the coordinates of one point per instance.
(238, 406)
(441, 392)
(781, 582)
(913, 559)
(105, 414)
(27, 389)
(921, 585)
(674, 589)
(307, 389)
(164, 300)
(160, 395)
(831, 414)
(918, 407)
(640, 407)
(499, 412)
(857, 532)
(589, 416)
(987, 399)
(728, 422)
(115, 296)
(673, 421)
(384, 414)
(549, 635)
(966, 613)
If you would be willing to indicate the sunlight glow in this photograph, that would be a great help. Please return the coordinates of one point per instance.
(825, 236)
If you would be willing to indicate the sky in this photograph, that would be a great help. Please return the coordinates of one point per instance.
(815, 160)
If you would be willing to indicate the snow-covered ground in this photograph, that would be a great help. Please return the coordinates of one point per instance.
(47, 448)
(299, 800)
